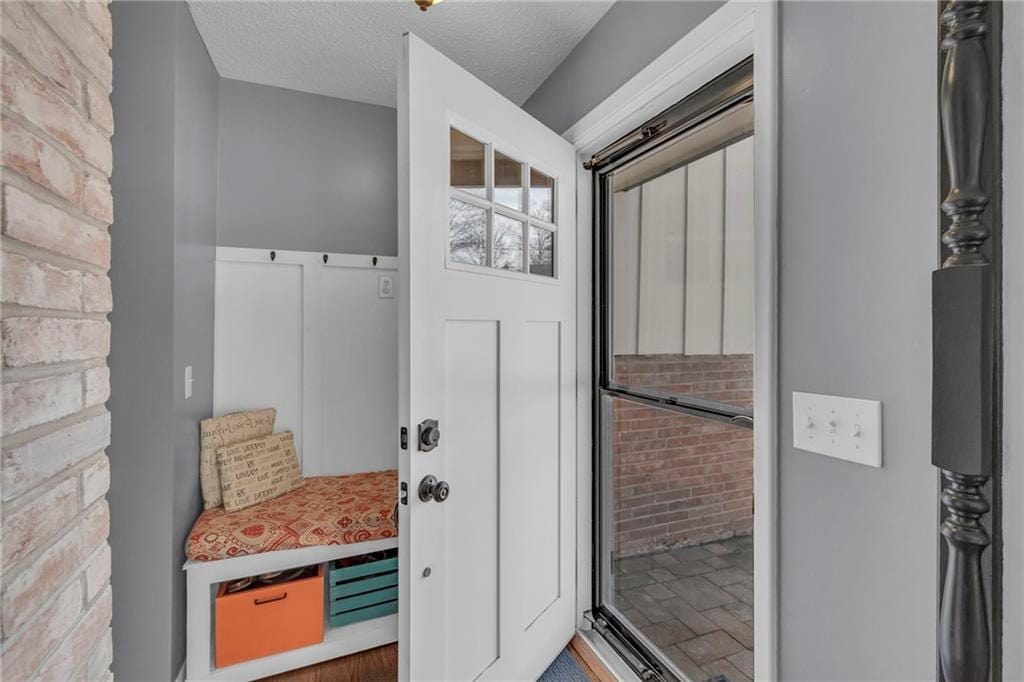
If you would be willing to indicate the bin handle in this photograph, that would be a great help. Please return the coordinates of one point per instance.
(268, 600)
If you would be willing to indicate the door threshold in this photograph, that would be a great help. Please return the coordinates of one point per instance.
(601, 657)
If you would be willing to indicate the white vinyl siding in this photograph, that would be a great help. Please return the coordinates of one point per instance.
(683, 259)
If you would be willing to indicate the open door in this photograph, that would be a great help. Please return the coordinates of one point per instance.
(487, 244)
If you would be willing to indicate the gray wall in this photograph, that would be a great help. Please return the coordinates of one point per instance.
(626, 39)
(306, 172)
(195, 230)
(141, 345)
(164, 233)
(857, 226)
(857, 212)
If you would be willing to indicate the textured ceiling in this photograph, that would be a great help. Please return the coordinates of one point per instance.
(350, 49)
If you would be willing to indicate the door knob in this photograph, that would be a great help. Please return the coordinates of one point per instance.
(433, 489)
(429, 435)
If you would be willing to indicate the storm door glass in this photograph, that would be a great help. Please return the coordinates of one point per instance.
(674, 412)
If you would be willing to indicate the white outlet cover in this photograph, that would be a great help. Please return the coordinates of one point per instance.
(385, 286)
(844, 428)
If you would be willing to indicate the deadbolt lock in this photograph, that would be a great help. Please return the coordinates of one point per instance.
(429, 435)
(433, 489)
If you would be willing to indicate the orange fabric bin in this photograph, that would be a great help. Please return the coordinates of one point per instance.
(268, 620)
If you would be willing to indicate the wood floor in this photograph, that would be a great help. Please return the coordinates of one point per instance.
(381, 665)
(374, 665)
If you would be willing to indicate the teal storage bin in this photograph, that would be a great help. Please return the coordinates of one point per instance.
(346, 573)
(362, 591)
(378, 611)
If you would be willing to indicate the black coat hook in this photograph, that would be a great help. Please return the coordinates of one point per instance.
(273, 255)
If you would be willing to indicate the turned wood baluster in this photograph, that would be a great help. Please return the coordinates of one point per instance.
(963, 620)
(962, 328)
(964, 101)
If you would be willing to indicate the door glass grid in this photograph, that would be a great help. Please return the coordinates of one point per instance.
(494, 221)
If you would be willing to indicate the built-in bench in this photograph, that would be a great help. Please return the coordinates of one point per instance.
(328, 518)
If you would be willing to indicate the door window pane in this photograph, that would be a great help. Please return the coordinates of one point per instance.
(468, 164)
(678, 495)
(508, 243)
(508, 181)
(542, 196)
(467, 233)
(542, 251)
(478, 232)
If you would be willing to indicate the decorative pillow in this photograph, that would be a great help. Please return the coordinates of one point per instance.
(217, 432)
(258, 470)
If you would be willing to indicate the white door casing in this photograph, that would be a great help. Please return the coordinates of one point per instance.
(735, 31)
(491, 356)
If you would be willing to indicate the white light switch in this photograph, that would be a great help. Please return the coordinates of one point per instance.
(844, 428)
(385, 286)
(188, 381)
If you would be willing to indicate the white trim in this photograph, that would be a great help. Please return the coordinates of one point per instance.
(766, 322)
(202, 578)
(608, 656)
(734, 32)
(722, 40)
(584, 395)
(1013, 340)
(240, 254)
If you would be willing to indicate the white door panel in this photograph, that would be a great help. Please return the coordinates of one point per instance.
(472, 465)
(490, 354)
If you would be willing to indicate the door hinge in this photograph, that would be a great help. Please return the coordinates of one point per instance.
(403, 496)
(404, 439)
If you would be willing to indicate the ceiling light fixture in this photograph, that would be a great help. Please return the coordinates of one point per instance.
(426, 4)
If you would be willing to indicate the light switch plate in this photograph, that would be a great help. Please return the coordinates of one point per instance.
(385, 286)
(188, 381)
(844, 428)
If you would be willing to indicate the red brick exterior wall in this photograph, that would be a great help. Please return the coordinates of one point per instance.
(679, 480)
(55, 243)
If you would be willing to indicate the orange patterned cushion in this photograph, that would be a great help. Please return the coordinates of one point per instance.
(327, 510)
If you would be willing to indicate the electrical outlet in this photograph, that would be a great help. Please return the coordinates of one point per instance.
(844, 428)
(385, 286)
(188, 381)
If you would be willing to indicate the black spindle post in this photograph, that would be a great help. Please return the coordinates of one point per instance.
(963, 369)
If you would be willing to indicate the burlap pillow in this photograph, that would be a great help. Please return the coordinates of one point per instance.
(217, 432)
(258, 470)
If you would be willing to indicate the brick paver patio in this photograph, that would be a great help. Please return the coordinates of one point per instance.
(696, 604)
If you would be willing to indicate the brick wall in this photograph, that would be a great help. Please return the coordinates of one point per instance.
(679, 480)
(56, 210)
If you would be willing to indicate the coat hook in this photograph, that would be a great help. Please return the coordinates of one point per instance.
(325, 257)
(273, 255)
(375, 261)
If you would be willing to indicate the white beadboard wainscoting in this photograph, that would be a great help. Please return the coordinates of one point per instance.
(318, 340)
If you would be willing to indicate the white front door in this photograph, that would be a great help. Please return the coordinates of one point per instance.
(487, 243)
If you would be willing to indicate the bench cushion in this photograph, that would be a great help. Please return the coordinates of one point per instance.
(327, 510)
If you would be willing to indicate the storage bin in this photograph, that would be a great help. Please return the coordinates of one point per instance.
(267, 620)
(363, 590)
